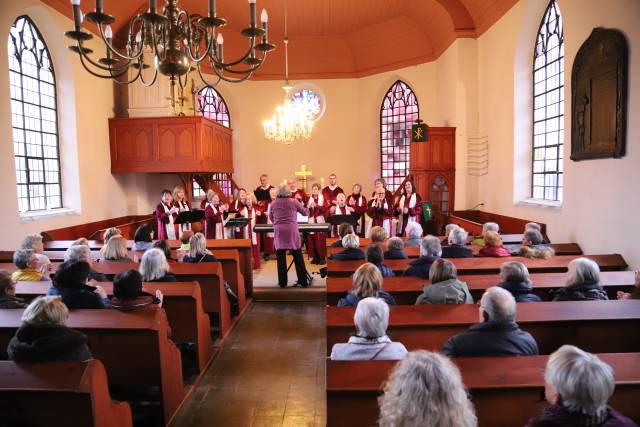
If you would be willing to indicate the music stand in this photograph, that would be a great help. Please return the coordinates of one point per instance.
(187, 217)
(339, 219)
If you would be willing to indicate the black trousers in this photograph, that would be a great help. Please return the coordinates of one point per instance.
(301, 271)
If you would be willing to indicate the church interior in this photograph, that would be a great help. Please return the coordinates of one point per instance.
(320, 212)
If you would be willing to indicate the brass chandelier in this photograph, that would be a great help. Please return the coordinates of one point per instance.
(177, 41)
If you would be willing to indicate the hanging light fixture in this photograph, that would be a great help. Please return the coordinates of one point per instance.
(291, 121)
(177, 41)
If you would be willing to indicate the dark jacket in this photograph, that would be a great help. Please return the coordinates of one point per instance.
(145, 300)
(385, 270)
(586, 291)
(491, 339)
(521, 291)
(337, 244)
(559, 416)
(168, 277)
(199, 258)
(48, 344)
(456, 251)
(395, 254)
(348, 254)
(420, 267)
(9, 301)
(78, 298)
(98, 277)
(351, 300)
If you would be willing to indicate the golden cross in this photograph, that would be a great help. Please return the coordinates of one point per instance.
(302, 175)
(418, 133)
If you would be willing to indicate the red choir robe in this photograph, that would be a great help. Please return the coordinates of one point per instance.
(414, 204)
(380, 216)
(346, 210)
(213, 227)
(248, 233)
(267, 249)
(388, 195)
(183, 206)
(317, 242)
(264, 198)
(301, 195)
(331, 195)
(167, 230)
(359, 204)
(237, 232)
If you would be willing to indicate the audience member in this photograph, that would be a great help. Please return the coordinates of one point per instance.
(537, 227)
(343, 229)
(498, 333)
(447, 232)
(128, 293)
(80, 241)
(185, 237)
(163, 245)
(375, 256)
(395, 248)
(155, 268)
(457, 247)
(44, 337)
(143, 238)
(515, 279)
(79, 253)
(583, 282)
(8, 297)
(379, 236)
(115, 250)
(445, 288)
(351, 251)
(367, 282)
(70, 282)
(35, 244)
(533, 247)
(487, 226)
(635, 294)
(425, 389)
(109, 233)
(198, 251)
(493, 245)
(28, 269)
(430, 250)
(371, 342)
(577, 387)
(414, 234)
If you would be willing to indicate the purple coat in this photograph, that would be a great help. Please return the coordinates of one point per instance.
(283, 215)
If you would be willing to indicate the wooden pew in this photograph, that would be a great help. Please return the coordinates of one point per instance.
(611, 262)
(37, 393)
(595, 326)
(507, 239)
(134, 347)
(405, 290)
(182, 302)
(505, 391)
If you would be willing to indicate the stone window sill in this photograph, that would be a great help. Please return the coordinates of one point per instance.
(36, 215)
(546, 204)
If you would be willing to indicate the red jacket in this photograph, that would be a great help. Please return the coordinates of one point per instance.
(493, 251)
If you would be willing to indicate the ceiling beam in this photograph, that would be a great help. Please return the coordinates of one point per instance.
(463, 24)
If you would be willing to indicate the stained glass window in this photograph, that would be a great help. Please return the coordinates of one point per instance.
(548, 107)
(399, 109)
(308, 100)
(223, 180)
(213, 107)
(34, 118)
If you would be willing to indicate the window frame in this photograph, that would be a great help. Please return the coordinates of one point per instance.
(222, 101)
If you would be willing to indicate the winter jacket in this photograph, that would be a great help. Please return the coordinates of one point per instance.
(420, 267)
(9, 301)
(80, 297)
(451, 291)
(395, 254)
(33, 343)
(536, 251)
(385, 270)
(491, 339)
(587, 291)
(360, 348)
(457, 251)
(559, 416)
(521, 291)
(494, 252)
(350, 299)
(348, 254)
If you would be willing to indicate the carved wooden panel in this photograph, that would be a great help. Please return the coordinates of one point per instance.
(599, 96)
(177, 141)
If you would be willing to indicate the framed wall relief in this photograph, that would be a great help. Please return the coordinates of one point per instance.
(599, 96)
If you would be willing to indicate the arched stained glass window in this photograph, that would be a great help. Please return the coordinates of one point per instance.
(308, 100)
(34, 118)
(399, 109)
(213, 107)
(548, 107)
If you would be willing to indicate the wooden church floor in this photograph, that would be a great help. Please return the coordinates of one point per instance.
(269, 372)
(265, 283)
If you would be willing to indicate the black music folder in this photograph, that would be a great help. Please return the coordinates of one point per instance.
(339, 219)
(188, 217)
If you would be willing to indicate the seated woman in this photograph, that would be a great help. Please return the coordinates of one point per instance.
(143, 238)
(128, 293)
(515, 279)
(395, 247)
(425, 389)
(577, 387)
(28, 268)
(44, 337)
(445, 288)
(379, 236)
(414, 234)
(343, 229)
(155, 268)
(447, 232)
(430, 250)
(70, 282)
(635, 294)
(375, 256)
(533, 246)
(163, 245)
(493, 245)
(82, 253)
(457, 245)
(583, 282)
(367, 282)
(8, 297)
(351, 245)
(198, 250)
(185, 238)
(109, 233)
(487, 226)
(115, 250)
(34, 243)
(371, 342)
(537, 227)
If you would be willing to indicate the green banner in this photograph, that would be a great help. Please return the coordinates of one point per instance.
(427, 211)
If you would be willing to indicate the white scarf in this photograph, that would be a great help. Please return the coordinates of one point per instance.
(184, 207)
(169, 228)
(252, 222)
(319, 218)
(219, 228)
(386, 223)
(411, 218)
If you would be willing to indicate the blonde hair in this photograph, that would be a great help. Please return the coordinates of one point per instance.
(442, 270)
(210, 195)
(115, 248)
(367, 281)
(46, 311)
(251, 197)
(492, 239)
(379, 234)
(109, 233)
(175, 191)
(425, 389)
(198, 245)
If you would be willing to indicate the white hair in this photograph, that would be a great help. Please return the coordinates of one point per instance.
(458, 236)
(430, 245)
(283, 192)
(499, 304)
(533, 235)
(395, 243)
(425, 389)
(78, 253)
(490, 226)
(514, 271)
(153, 265)
(449, 228)
(23, 258)
(371, 318)
(31, 240)
(414, 230)
(351, 241)
(583, 381)
(582, 270)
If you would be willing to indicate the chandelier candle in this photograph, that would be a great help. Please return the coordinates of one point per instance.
(77, 14)
(99, 6)
(212, 8)
(220, 42)
(264, 17)
(252, 13)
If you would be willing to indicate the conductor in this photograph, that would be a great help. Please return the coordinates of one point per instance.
(283, 215)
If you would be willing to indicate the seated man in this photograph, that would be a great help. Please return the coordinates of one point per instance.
(343, 229)
(395, 248)
(497, 335)
(375, 256)
(351, 245)
(457, 245)
(533, 246)
(430, 250)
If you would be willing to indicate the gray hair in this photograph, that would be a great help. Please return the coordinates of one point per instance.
(153, 265)
(81, 241)
(533, 235)
(458, 236)
(430, 245)
(197, 245)
(514, 271)
(46, 311)
(283, 192)
(449, 228)
(490, 226)
(532, 225)
(583, 381)
(414, 230)
(442, 270)
(371, 318)
(78, 253)
(499, 305)
(23, 258)
(425, 389)
(31, 240)
(395, 243)
(582, 270)
(351, 241)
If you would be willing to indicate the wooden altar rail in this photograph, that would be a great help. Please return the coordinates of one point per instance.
(127, 224)
(472, 221)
